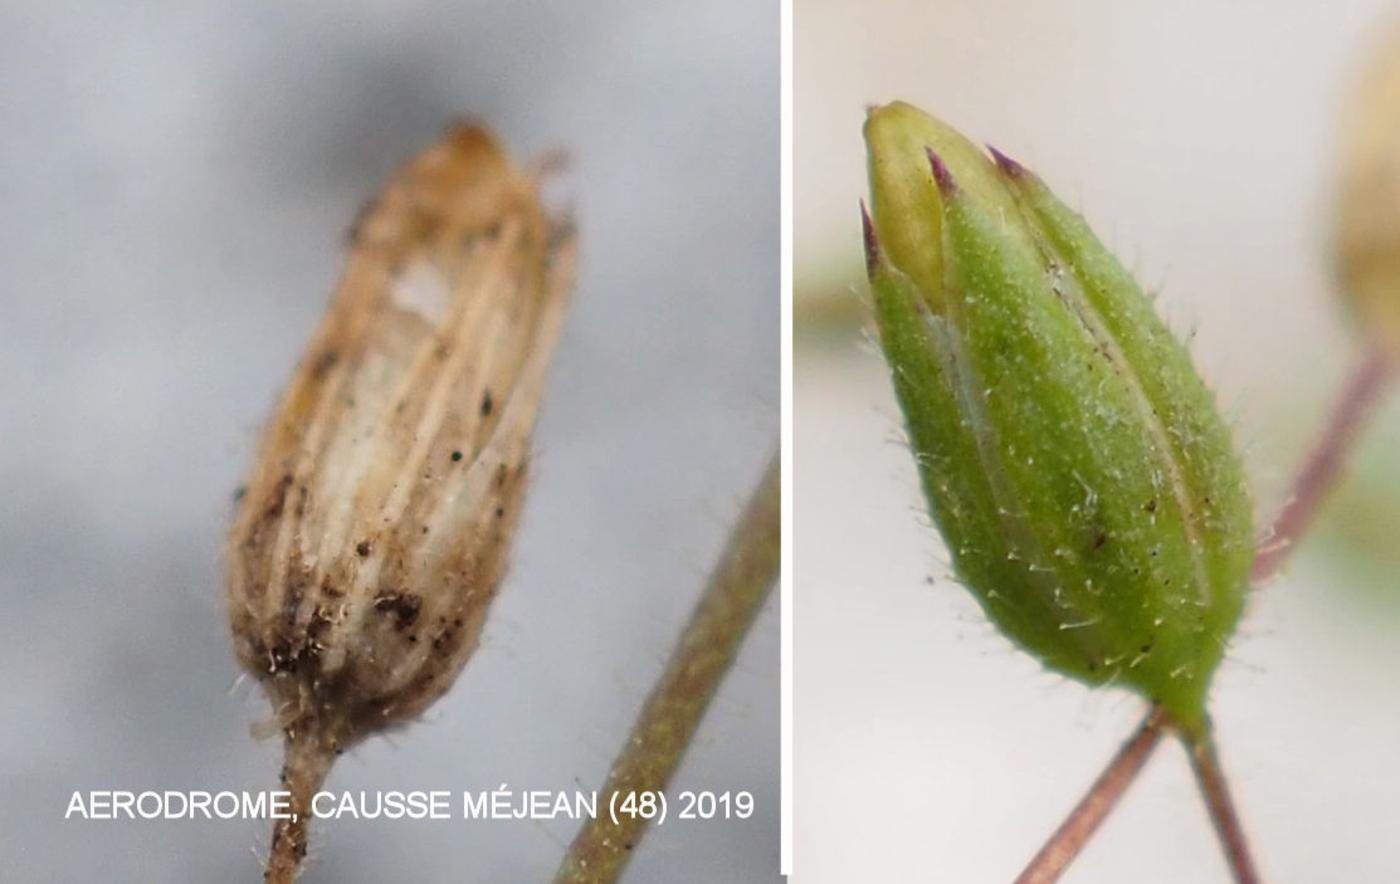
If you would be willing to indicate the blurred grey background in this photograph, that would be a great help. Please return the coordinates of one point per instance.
(1199, 140)
(176, 179)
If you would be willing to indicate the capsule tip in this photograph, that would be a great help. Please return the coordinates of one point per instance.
(1005, 163)
(941, 175)
(872, 243)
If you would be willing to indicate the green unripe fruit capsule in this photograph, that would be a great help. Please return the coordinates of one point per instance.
(1074, 462)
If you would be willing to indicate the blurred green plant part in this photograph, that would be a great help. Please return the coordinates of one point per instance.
(829, 304)
(1358, 529)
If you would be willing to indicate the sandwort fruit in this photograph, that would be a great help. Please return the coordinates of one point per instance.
(379, 511)
(1074, 462)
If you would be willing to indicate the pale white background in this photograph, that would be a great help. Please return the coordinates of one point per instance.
(176, 179)
(1196, 137)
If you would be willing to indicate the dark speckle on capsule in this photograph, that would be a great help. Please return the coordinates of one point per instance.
(404, 607)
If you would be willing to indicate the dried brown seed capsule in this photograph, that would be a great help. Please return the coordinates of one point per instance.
(380, 509)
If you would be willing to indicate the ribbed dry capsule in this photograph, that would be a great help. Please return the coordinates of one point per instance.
(378, 516)
(1368, 229)
(1073, 461)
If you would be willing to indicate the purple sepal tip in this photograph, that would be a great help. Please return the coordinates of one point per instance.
(1006, 163)
(941, 175)
(872, 243)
